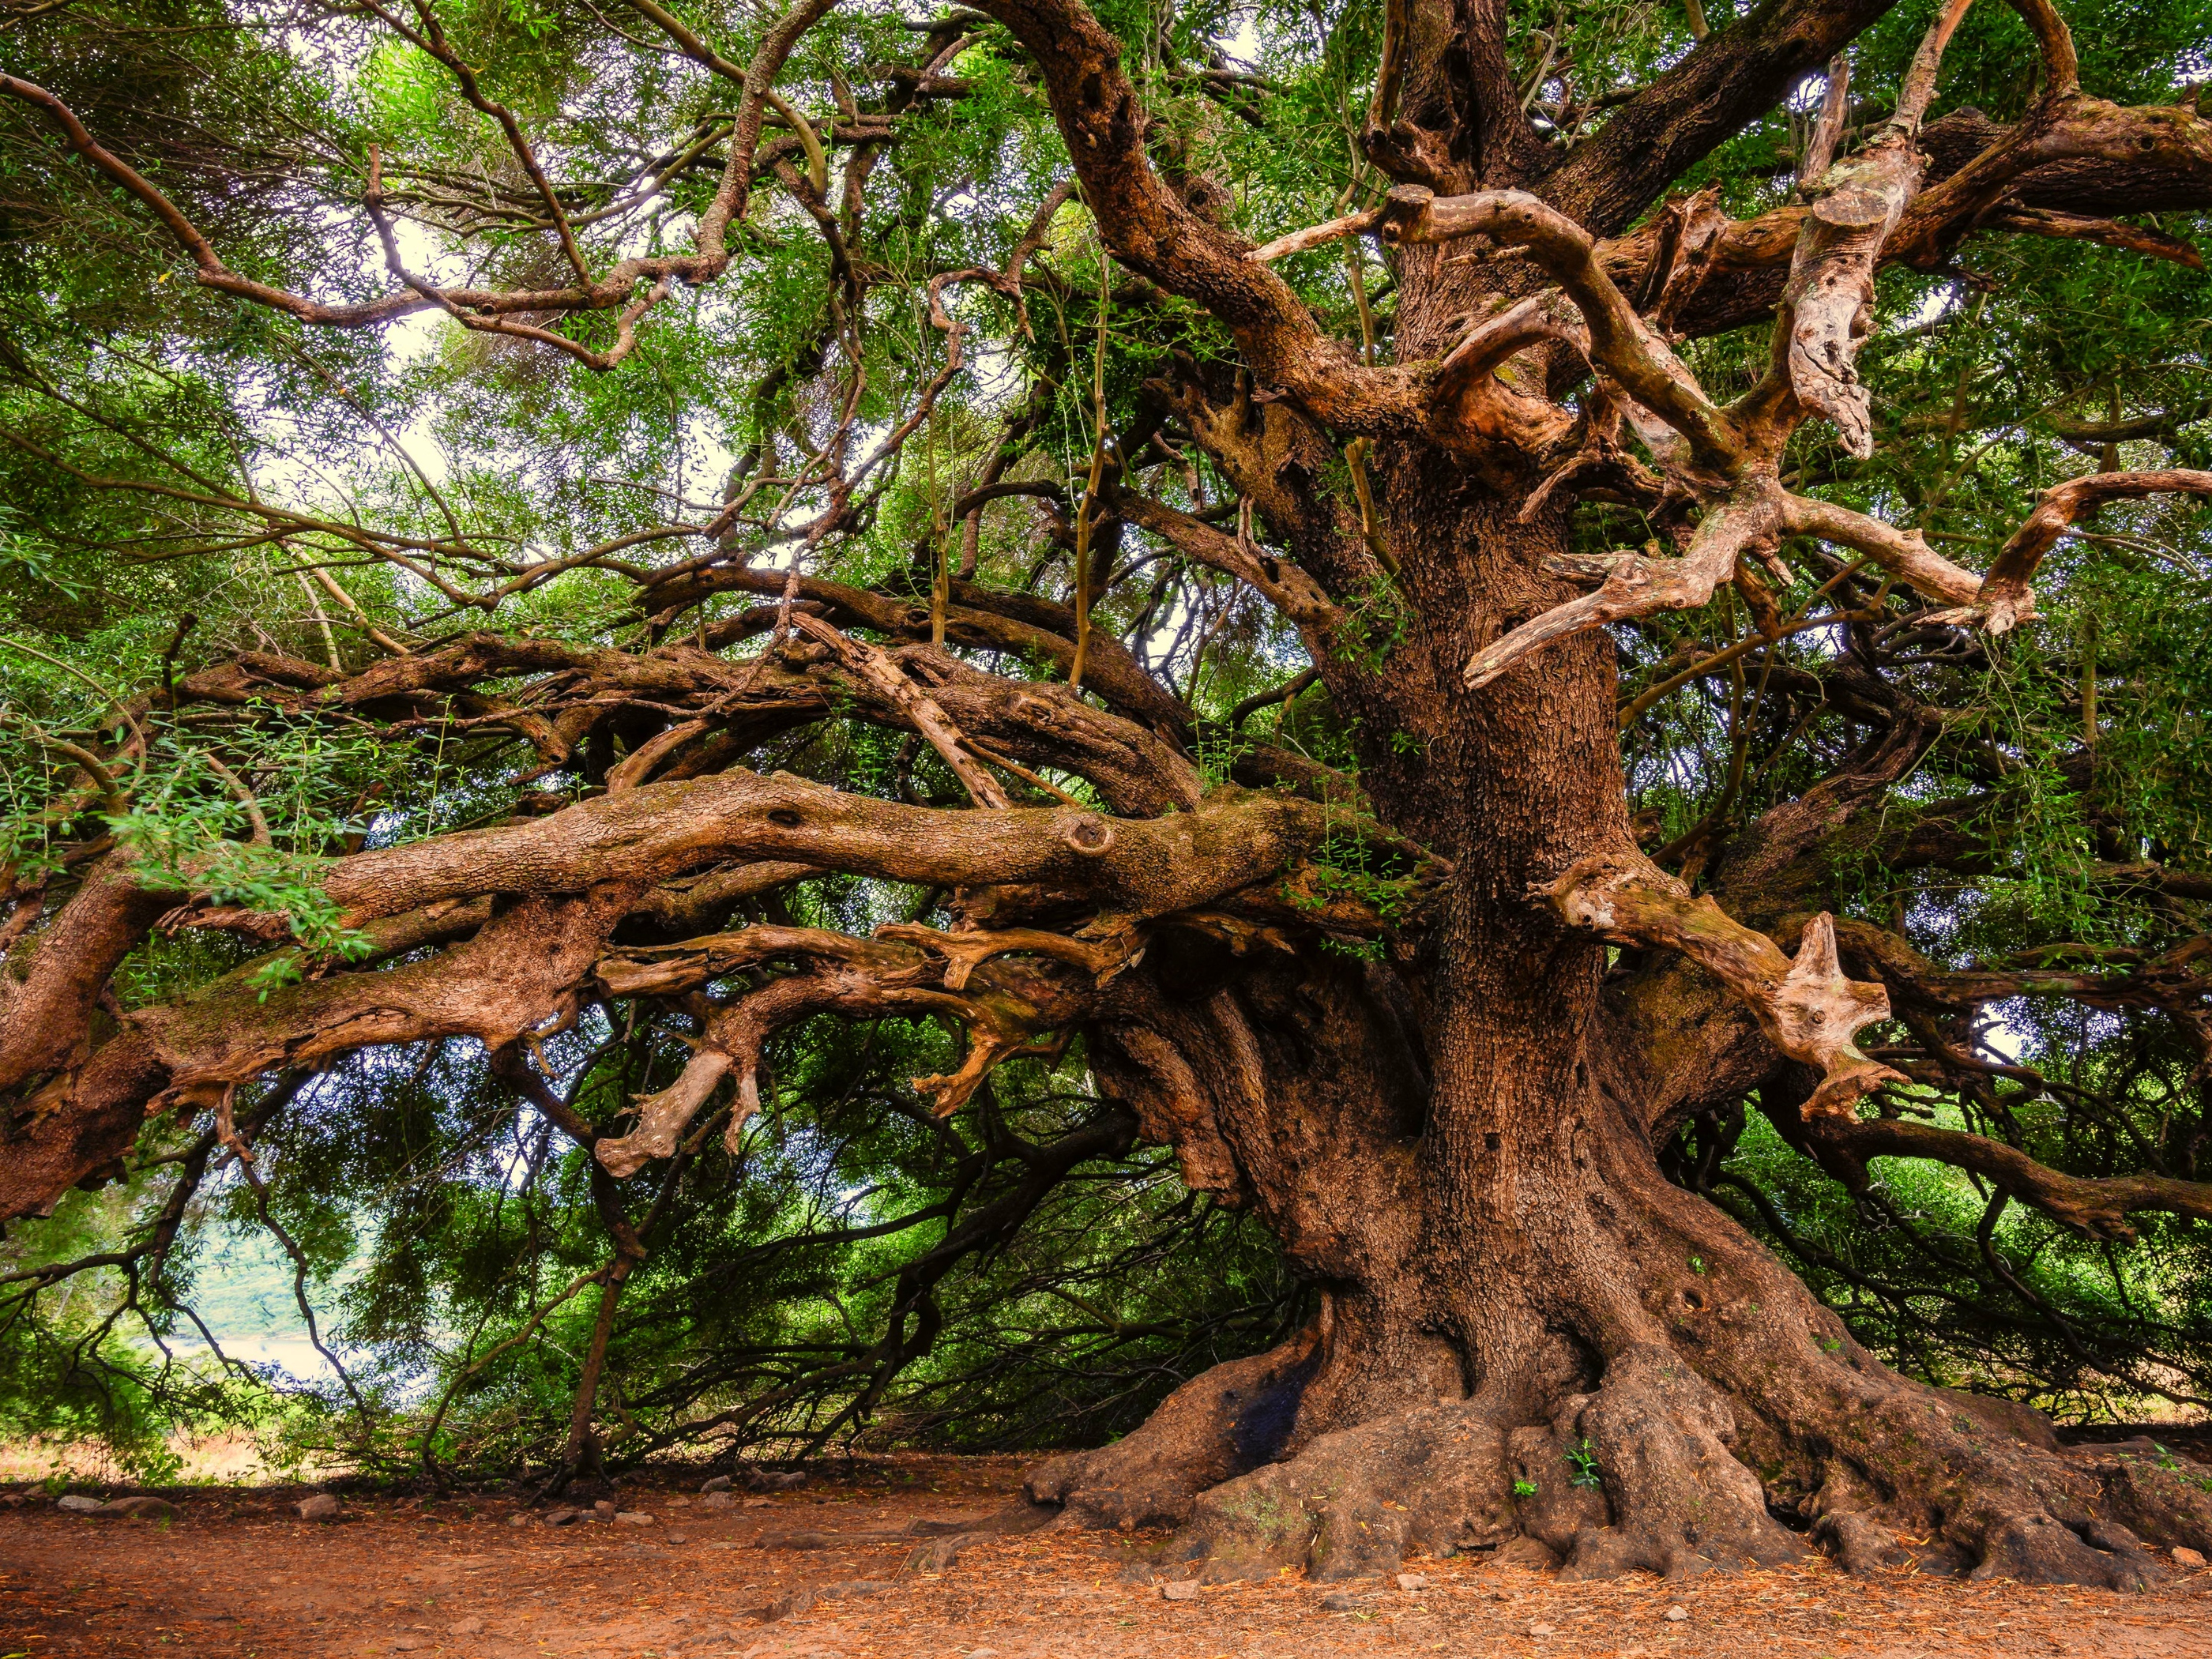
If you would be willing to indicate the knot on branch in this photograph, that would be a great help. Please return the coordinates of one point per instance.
(1089, 834)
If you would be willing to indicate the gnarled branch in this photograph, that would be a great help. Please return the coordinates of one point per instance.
(1805, 1005)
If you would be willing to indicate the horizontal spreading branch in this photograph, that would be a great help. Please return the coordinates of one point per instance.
(2098, 1205)
(1756, 513)
(2004, 598)
(1640, 586)
(1143, 867)
(1277, 580)
(565, 880)
(1007, 1010)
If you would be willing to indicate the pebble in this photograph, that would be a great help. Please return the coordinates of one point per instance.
(604, 1506)
(717, 1499)
(76, 1502)
(1677, 1614)
(1413, 1581)
(2188, 1558)
(1342, 1602)
(563, 1518)
(408, 1643)
(518, 1520)
(1541, 1630)
(1183, 1589)
(632, 1518)
(719, 1483)
(321, 1507)
(679, 1537)
(466, 1627)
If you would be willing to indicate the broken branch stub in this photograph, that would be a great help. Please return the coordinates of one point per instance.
(1827, 307)
(1805, 1007)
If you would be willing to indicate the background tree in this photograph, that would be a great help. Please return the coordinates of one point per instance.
(588, 581)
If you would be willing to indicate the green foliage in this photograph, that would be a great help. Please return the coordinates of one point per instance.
(2070, 1324)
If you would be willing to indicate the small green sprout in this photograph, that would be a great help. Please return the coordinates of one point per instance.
(1583, 1456)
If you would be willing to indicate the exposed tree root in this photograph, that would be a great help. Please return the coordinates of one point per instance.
(1232, 1417)
(1646, 1471)
(1659, 1438)
(1989, 1492)
(1356, 1503)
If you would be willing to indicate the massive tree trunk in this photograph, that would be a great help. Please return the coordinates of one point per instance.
(1530, 1341)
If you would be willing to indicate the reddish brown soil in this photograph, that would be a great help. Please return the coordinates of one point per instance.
(237, 1575)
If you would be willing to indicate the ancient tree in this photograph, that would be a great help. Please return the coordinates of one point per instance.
(1515, 390)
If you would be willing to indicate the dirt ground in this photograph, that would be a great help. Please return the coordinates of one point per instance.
(239, 1574)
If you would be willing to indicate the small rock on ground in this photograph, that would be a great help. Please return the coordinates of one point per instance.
(563, 1518)
(2188, 1558)
(1542, 1630)
(632, 1518)
(321, 1507)
(718, 1483)
(76, 1502)
(719, 1498)
(1183, 1589)
(1413, 1581)
(786, 1607)
(1342, 1602)
(1677, 1613)
(934, 1555)
(466, 1627)
(142, 1508)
